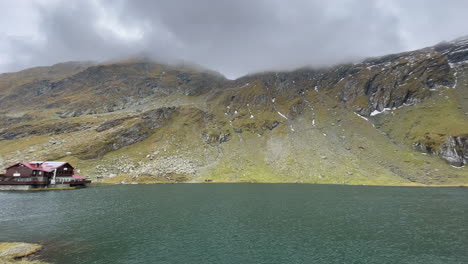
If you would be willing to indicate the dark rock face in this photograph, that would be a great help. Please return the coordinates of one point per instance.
(155, 118)
(215, 138)
(297, 109)
(8, 121)
(110, 124)
(141, 129)
(45, 129)
(149, 121)
(454, 150)
(108, 88)
(270, 125)
(375, 84)
(25, 94)
(400, 80)
(456, 51)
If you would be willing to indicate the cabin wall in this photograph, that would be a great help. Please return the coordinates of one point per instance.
(65, 171)
(22, 170)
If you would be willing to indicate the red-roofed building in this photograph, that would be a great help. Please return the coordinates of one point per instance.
(41, 174)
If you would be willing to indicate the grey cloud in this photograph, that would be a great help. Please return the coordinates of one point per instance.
(238, 37)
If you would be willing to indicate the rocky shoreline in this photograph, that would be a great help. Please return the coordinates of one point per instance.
(14, 252)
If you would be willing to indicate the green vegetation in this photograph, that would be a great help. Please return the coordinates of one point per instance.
(428, 122)
(137, 121)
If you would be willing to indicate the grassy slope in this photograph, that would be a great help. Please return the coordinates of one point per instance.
(436, 117)
(340, 148)
(56, 72)
(325, 143)
(350, 151)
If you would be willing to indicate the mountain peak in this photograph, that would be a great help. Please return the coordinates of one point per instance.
(352, 123)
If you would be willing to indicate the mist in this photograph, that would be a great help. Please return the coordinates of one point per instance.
(232, 37)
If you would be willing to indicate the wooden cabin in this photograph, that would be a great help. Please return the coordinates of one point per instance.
(41, 174)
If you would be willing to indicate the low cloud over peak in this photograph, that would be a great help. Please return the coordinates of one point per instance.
(233, 37)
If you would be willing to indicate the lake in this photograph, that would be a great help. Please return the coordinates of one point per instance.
(241, 223)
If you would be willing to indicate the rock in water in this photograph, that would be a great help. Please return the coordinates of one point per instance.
(18, 250)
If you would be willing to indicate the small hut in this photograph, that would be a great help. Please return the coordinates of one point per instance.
(41, 174)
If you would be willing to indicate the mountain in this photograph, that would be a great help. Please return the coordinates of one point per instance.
(399, 119)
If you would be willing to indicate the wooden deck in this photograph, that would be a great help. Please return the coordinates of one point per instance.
(14, 182)
(23, 182)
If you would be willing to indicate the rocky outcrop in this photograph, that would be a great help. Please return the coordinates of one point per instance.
(109, 87)
(6, 121)
(456, 51)
(373, 85)
(22, 131)
(398, 80)
(141, 128)
(18, 250)
(167, 165)
(454, 149)
(154, 165)
(215, 138)
(110, 124)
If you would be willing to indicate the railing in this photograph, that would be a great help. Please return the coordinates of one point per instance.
(13, 182)
(63, 180)
(37, 182)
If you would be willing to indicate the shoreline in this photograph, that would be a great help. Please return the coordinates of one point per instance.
(102, 184)
(18, 252)
(308, 183)
(43, 190)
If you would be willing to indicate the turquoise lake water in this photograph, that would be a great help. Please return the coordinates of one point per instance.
(241, 223)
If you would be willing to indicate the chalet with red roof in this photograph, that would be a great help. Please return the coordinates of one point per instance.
(41, 174)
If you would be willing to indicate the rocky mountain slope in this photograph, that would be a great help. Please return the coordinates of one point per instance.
(396, 119)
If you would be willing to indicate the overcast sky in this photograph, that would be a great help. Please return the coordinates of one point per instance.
(234, 37)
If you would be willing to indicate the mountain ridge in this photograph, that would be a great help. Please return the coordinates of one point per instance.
(394, 119)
